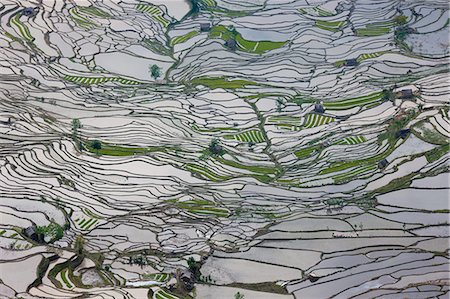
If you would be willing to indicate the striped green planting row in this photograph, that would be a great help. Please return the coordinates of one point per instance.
(331, 25)
(289, 127)
(80, 20)
(316, 11)
(285, 119)
(155, 12)
(160, 277)
(315, 120)
(444, 113)
(65, 279)
(161, 294)
(375, 29)
(250, 136)
(341, 178)
(305, 152)
(183, 38)
(369, 56)
(86, 223)
(209, 3)
(99, 80)
(206, 173)
(352, 140)
(23, 30)
(94, 12)
(354, 102)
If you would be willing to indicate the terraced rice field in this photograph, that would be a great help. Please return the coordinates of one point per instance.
(330, 25)
(145, 155)
(22, 29)
(155, 12)
(316, 120)
(375, 29)
(99, 80)
(250, 136)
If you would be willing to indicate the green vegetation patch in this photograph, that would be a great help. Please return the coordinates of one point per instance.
(437, 153)
(119, 151)
(156, 46)
(205, 172)
(203, 207)
(183, 38)
(253, 168)
(375, 29)
(22, 29)
(162, 294)
(99, 80)
(93, 11)
(363, 57)
(155, 12)
(359, 171)
(352, 140)
(160, 277)
(306, 152)
(80, 20)
(316, 120)
(354, 102)
(65, 279)
(331, 25)
(429, 135)
(53, 231)
(255, 136)
(316, 11)
(269, 287)
(209, 3)
(257, 47)
(221, 82)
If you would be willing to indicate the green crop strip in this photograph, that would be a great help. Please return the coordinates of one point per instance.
(221, 82)
(99, 80)
(183, 38)
(120, 151)
(331, 25)
(155, 12)
(23, 30)
(354, 102)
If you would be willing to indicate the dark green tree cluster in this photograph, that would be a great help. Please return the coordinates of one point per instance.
(194, 267)
(53, 230)
(155, 71)
(96, 145)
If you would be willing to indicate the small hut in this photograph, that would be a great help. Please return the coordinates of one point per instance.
(318, 108)
(205, 27)
(403, 133)
(231, 44)
(351, 62)
(313, 278)
(29, 11)
(186, 278)
(31, 232)
(383, 163)
(405, 94)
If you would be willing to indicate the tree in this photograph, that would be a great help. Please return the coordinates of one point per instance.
(194, 267)
(238, 295)
(215, 148)
(400, 20)
(155, 71)
(76, 124)
(280, 104)
(387, 95)
(97, 145)
(79, 245)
